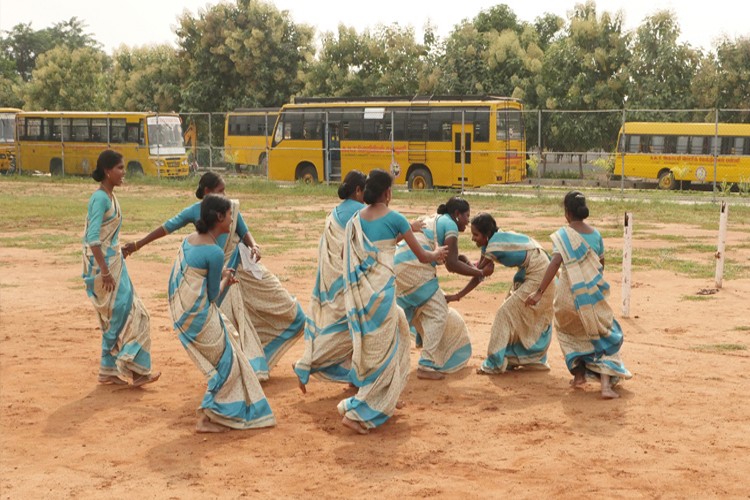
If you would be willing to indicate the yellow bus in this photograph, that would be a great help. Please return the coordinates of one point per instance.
(247, 136)
(674, 153)
(69, 142)
(8, 139)
(438, 141)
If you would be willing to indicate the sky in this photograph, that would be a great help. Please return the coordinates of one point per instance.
(143, 22)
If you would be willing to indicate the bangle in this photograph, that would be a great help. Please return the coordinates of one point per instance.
(104, 275)
(136, 246)
(539, 290)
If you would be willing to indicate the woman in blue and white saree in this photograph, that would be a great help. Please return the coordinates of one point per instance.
(125, 324)
(439, 329)
(378, 326)
(589, 335)
(519, 337)
(328, 344)
(271, 316)
(234, 398)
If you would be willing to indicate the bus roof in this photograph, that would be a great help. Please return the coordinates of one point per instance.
(417, 100)
(681, 128)
(91, 114)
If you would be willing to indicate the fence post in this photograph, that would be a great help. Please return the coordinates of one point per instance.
(539, 145)
(622, 167)
(62, 142)
(627, 254)
(715, 148)
(463, 149)
(722, 244)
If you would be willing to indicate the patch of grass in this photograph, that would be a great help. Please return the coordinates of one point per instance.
(495, 287)
(700, 247)
(742, 328)
(301, 269)
(39, 241)
(720, 347)
(160, 296)
(696, 298)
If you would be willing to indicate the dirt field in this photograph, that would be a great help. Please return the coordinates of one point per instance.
(680, 428)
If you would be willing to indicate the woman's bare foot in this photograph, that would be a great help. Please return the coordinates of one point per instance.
(111, 380)
(400, 405)
(205, 425)
(579, 380)
(142, 380)
(429, 374)
(301, 386)
(355, 426)
(607, 391)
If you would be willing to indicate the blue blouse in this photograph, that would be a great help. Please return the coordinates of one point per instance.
(99, 204)
(512, 258)
(593, 240)
(210, 258)
(346, 210)
(192, 213)
(387, 227)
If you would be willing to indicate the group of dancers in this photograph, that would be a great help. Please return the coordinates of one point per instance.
(376, 288)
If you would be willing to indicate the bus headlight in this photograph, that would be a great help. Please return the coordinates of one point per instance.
(159, 163)
(184, 162)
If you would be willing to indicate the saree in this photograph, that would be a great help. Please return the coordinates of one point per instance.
(378, 326)
(234, 397)
(440, 329)
(586, 328)
(233, 307)
(520, 336)
(125, 323)
(328, 345)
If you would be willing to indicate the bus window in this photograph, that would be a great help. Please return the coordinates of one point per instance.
(738, 146)
(440, 121)
(117, 130)
(634, 144)
(657, 144)
(80, 130)
(515, 127)
(482, 125)
(293, 125)
(312, 124)
(351, 127)
(502, 125)
(681, 146)
(7, 124)
(99, 130)
(33, 129)
(698, 145)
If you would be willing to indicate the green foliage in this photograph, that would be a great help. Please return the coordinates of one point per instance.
(67, 79)
(243, 54)
(145, 79)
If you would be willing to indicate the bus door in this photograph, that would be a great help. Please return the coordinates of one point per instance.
(332, 152)
(463, 138)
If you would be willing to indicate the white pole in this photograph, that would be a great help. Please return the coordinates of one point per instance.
(627, 253)
(722, 243)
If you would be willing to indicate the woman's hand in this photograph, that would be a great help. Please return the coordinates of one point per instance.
(454, 297)
(440, 254)
(417, 225)
(488, 269)
(128, 249)
(255, 249)
(534, 299)
(108, 281)
(228, 274)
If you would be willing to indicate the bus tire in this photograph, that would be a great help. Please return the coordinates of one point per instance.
(306, 173)
(135, 169)
(666, 180)
(56, 167)
(419, 179)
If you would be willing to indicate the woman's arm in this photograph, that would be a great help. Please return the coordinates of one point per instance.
(549, 275)
(437, 255)
(108, 281)
(455, 264)
(486, 267)
(134, 246)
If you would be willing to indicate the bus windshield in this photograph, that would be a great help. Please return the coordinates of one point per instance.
(7, 127)
(165, 135)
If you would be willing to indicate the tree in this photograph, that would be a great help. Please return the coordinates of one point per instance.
(145, 79)
(661, 69)
(586, 70)
(247, 54)
(10, 84)
(67, 79)
(723, 79)
(23, 45)
(496, 54)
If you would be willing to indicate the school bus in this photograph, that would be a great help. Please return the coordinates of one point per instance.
(674, 153)
(247, 136)
(69, 142)
(8, 139)
(436, 141)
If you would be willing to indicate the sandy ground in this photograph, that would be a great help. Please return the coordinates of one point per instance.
(680, 428)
